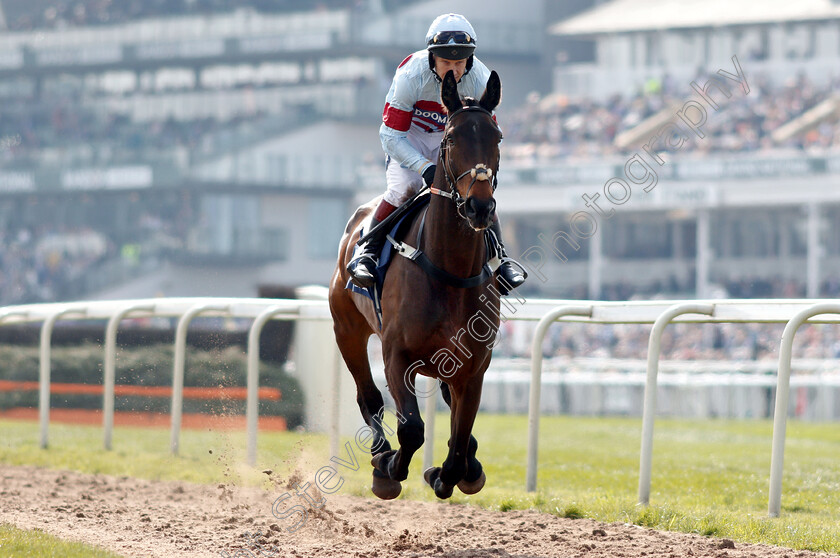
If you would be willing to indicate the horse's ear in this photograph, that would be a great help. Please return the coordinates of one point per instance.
(493, 92)
(449, 93)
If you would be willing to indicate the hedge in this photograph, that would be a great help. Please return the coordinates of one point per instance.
(149, 366)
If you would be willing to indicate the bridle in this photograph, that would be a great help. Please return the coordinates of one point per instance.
(479, 172)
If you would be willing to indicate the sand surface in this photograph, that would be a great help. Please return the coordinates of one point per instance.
(143, 518)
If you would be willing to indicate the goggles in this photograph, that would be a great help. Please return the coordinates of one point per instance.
(450, 37)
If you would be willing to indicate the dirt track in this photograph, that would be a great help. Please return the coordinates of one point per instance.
(170, 519)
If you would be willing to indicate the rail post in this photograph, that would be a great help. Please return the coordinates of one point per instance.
(649, 406)
(431, 395)
(110, 366)
(44, 368)
(536, 383)
(178, 367)
(252, 404)
(774, 504)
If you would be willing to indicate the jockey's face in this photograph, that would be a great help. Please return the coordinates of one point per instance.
(443, 65)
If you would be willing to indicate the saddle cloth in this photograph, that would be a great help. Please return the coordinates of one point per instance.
(397, 232)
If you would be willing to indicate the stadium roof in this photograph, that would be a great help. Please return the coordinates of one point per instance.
(625, 16)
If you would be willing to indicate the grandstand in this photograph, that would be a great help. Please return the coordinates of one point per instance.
(749, 209)
(215, 138)
(230, 140)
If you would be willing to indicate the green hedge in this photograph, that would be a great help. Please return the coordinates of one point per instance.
(149, 366)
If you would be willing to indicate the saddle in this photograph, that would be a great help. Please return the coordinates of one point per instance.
(397, 230)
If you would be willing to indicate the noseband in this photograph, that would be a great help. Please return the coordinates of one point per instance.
(478, 172)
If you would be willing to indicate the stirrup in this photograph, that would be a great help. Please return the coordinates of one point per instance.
(365, 263)
(507, 264)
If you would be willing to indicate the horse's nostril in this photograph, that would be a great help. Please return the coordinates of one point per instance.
(471, 206)
(477, 206)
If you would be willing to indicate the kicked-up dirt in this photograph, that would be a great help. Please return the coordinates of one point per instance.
(143, 518)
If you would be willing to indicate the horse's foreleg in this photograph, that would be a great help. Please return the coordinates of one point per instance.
(454, 469)
(372, 407)
(410, 433)
(474, 479)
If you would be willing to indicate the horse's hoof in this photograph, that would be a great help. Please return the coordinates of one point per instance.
(474, 486)
(384, 487)
(430, 475)
(443, 491)
(376, 461)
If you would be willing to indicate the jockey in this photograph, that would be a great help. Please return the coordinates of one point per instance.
(412, 128)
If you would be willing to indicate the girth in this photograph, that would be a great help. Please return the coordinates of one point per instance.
(420, 258)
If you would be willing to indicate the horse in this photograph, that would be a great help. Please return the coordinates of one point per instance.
(439, 325)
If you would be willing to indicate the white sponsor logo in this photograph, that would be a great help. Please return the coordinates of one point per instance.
(436, 116)
(137, 176)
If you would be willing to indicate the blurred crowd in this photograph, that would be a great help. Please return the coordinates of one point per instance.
(742, 287)
(39, 14)
(553, 128)
(557, 127)
(49, 263)
(743, 342)
(550, 127)
(60, 124)
(78, 131)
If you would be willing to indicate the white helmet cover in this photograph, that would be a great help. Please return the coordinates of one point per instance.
(453, 48)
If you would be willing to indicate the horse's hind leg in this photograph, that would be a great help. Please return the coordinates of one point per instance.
(353, 347)
(475, 478)
(352, 342)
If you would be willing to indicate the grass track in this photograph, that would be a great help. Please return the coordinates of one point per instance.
(709, 477)
(15, 543)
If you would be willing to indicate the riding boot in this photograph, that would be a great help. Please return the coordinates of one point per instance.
(362, 268)
(509, 276)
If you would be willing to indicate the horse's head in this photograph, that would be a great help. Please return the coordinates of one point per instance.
(470, 150)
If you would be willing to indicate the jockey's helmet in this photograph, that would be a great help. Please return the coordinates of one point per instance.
(451, 36)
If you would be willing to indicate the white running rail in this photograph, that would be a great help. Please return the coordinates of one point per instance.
(185, 309)
(793, 312)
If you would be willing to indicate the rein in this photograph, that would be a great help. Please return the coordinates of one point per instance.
(479, 172)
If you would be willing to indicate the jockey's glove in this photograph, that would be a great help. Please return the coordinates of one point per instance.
(429, 174)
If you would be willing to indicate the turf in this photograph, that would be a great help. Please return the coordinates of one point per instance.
(709, 477)
(16, 543)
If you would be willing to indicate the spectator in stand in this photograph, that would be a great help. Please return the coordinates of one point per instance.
(737, 342)
(47, 265)
(560, 127)
(25, 16)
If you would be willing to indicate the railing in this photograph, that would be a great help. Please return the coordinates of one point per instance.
(312, 357)
(699, 389)
(185, 309)
(791, 312)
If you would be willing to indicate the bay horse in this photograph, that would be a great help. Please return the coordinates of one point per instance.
(427, 321)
